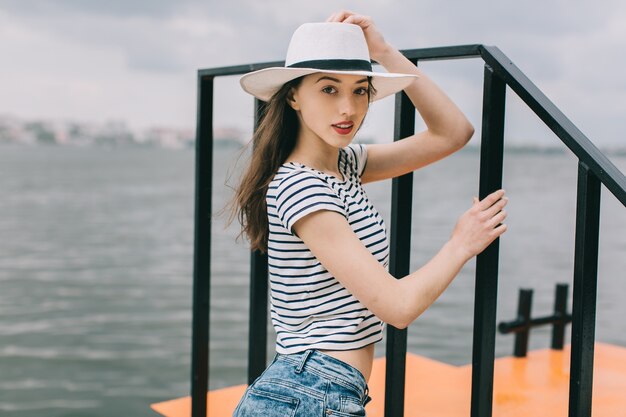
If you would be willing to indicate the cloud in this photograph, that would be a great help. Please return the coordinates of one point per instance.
(103, 51)
(78, 8)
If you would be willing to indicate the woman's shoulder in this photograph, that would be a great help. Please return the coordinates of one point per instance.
(293, 169)
(355, 149)
(356, 157)
(291, 174)
(352, 162)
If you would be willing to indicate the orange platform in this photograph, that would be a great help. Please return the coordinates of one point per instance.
(536, 385)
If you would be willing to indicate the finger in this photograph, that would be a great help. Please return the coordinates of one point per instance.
(335, 17)
(358, 19)
(342, 15)
(496, 207)
(490, 199)
(498, 231)
(497, 219)
(351, 19)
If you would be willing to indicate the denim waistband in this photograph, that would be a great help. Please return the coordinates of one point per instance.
(329, 367)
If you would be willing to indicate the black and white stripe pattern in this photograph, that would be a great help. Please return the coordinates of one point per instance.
(310, 308)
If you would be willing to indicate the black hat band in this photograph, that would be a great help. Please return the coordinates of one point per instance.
(335, 65)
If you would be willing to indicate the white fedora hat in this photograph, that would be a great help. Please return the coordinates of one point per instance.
(336, 48)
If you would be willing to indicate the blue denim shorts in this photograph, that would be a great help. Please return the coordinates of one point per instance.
(309, 383)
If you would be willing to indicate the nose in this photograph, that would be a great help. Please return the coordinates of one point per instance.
(347, 105)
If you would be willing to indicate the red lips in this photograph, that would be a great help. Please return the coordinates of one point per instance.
(343, 128)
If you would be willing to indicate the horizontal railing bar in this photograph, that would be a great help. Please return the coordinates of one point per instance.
(520, 325)
(237, 69)
(443, 52)
(613, 179)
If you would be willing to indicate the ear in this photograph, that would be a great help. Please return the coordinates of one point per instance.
(292, 101)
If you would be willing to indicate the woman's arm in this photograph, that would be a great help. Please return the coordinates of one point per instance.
(398, 302)
(447, 127)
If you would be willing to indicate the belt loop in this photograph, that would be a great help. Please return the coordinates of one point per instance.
(366, 395)
(305, 356)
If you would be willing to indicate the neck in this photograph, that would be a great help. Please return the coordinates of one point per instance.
(314, 152)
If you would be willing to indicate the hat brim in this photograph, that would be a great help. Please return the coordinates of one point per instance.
(263, 84)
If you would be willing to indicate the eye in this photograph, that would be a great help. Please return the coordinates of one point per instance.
(361, 91)
(329, 89)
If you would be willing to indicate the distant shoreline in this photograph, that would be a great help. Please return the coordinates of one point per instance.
(230, 143)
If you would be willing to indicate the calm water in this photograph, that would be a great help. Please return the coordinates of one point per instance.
(96, 264)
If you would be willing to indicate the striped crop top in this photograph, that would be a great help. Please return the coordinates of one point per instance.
(310, 309)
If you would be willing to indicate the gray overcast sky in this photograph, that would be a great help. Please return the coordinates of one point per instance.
(137, 60)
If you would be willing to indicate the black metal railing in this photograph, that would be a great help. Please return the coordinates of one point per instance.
(499, 72)
(524, 322)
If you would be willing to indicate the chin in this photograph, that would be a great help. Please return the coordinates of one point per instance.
(341, 141)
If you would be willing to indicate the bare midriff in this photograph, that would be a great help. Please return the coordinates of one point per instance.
(361, 359)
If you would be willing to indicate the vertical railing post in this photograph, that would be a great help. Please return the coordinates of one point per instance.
(524, 305)
(257, 322)
(486, 292)
(399, 261)
(257, 330)
(202, 248)
(585, 287)
(560, 310)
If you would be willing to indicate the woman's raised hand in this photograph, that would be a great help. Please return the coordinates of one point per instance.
(480, 225)
(375, 41)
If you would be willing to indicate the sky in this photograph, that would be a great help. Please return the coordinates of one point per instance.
(136, 60)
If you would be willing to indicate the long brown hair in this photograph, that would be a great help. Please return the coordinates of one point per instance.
(273, 141)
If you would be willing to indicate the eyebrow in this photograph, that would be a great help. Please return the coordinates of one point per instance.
(337, 80)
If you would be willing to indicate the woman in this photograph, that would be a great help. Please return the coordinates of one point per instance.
(301, 200)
